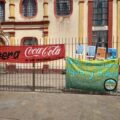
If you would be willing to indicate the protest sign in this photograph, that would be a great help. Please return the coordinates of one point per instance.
(92, 75)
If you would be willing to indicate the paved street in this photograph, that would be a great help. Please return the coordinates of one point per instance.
(59, 106)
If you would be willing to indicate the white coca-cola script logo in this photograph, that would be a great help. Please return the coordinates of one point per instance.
(43, 51)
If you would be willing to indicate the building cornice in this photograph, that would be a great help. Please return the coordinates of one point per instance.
(26, 23)
(81, 1)
(90, 0)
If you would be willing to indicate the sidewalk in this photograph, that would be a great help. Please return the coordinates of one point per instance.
(59, 106)
(118, 87)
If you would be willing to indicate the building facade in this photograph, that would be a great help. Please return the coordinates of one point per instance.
(33, 22)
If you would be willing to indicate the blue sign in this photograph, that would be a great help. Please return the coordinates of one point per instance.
(79, 49)
(112, 53)
(91, 51)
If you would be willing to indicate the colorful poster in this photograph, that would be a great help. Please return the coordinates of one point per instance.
(101, 53)
(92, 75)
(79, 49)
(91, 51)
(112, 53)
(30, 54)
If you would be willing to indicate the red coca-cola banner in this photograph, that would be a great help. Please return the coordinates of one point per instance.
(29, 54)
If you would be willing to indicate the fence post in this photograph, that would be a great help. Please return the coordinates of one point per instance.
(33, 77)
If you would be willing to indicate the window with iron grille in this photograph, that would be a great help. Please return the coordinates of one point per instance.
(100, 12)
(29, 41)
(2, 11)
(63, 7)
(100, 38)
(29, 8)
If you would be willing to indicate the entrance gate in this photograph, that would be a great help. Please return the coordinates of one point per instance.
(34, 79)
(48, 76)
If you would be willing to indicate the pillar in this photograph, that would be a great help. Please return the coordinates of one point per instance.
(81, 21)
(114, 19)
(45, 18)
(12, 10)
(110, 17)
(118, 27)
(90, 21)
(12, 38)
(45, 32)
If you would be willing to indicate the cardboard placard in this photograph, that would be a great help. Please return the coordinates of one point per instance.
(101, 53)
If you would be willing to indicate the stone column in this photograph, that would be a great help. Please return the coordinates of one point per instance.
(81, 20)
(81, 23)
(12, 38)
(45, 18)
(45, 33)
(12, 10)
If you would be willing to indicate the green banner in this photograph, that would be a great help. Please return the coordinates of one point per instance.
(92, 75)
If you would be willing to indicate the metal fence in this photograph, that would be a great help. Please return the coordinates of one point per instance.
(44, 76)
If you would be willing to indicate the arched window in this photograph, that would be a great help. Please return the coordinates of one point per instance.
(29, 8)
(2, 42)
(2, 11)
(63, 7)
(100, 12)
(29, 41)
